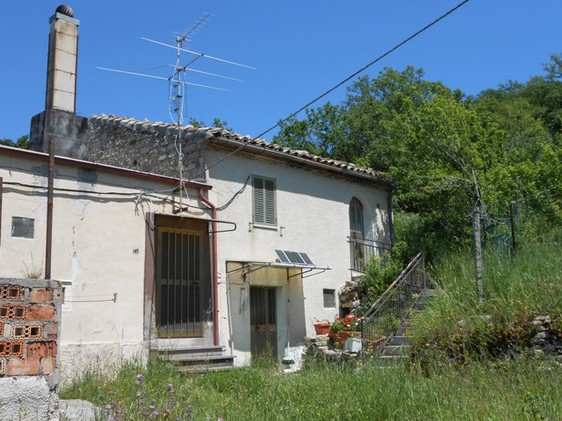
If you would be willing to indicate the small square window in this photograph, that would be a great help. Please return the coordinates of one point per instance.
(329, 298)
(22, 227)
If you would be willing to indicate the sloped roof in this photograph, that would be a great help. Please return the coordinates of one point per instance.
(221, 136)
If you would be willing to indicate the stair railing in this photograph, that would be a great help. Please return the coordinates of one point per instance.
(383, 318)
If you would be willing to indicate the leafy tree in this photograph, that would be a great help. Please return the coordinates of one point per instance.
(22, 142)
(445, 152)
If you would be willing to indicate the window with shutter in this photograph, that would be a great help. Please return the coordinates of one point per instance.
(264, 201)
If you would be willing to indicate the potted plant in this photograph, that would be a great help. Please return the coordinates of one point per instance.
(321, 327)
(345, 327)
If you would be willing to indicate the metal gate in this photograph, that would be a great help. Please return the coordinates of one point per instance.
(179, 283)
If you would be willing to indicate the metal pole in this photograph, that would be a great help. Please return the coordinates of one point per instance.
(49, 236)
(478, 254)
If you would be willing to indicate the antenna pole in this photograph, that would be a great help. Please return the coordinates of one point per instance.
(179, 99)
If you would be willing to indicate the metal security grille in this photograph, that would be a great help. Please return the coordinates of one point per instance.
(179, 284)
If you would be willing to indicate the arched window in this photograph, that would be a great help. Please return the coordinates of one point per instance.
(356, 218)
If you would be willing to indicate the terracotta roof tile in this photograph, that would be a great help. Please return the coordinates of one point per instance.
(216, 134)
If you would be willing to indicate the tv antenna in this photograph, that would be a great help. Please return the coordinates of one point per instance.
(177, 83)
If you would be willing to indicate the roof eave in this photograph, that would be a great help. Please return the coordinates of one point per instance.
(260, 150)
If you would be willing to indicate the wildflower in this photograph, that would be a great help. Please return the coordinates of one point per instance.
(140, 379)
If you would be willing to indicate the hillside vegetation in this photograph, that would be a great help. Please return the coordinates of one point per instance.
(445, 151)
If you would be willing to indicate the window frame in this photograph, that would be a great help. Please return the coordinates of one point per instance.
(23, 227)
(329, 298)
(264, 201)
(356, 218)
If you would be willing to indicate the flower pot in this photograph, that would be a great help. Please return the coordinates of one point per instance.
(322, 328)
(343, 335)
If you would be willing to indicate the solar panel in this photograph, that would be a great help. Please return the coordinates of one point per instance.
(295, 257)
(282, 256)
(306, 259)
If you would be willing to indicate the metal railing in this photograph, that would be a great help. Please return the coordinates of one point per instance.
(383, 318)
(362, 250)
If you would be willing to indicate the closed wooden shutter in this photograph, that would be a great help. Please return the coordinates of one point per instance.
(264, 201)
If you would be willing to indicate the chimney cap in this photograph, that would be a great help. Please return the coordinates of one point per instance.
(63, 9)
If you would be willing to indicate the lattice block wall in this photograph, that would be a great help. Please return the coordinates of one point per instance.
(29, 326)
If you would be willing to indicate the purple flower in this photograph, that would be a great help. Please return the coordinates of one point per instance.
(140, 379)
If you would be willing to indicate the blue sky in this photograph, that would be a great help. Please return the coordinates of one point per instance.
(299, 48)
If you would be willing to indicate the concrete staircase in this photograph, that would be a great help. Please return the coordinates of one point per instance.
(397, 348)
(196, 359)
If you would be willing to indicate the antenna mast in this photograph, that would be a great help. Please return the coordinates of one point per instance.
(177, 83)
(177, 95)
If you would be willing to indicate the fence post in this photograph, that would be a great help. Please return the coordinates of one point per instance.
(512, 224)
(478, 254)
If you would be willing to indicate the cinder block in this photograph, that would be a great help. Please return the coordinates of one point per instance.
(41, 349)
(13, 312)
(57, 293)
(21, 367)
(11, 348)
(50, 330)
(41, 295)
(48, 365)
(35, 313)
(34, 331)
(2, 366)
(10, 292)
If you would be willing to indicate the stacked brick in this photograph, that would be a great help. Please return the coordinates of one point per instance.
(29, 325)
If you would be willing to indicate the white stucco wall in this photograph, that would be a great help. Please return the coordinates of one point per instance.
(313, 217)
(99, 245)
(100, 241)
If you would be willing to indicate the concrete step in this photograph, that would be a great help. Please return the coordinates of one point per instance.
(388, 361)
(196, 359)
(396, 350)
(194, 366)
(399, 340)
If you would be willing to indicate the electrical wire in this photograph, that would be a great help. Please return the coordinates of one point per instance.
(347, 79)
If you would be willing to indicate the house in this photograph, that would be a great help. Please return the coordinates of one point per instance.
(237, 259)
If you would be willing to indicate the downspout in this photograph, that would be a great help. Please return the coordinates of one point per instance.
(215, 266)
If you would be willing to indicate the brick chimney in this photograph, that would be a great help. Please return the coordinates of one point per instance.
(59, 123)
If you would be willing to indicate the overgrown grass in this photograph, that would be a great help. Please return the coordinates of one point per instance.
(514, 390)
(515, 288)
(521, 387)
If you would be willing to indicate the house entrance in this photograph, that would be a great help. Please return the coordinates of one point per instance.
(180, 283)
(263, 321)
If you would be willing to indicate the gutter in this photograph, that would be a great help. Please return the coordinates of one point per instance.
(215, 266)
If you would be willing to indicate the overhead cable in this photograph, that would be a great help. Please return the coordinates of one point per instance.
(347, 79)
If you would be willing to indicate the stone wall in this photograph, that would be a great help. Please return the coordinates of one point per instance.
(145, 146)
(29, 332)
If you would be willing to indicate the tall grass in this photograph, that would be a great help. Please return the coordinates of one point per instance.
(516, 390)
(515, 288)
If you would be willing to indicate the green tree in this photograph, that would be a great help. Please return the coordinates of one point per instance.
(22, 142)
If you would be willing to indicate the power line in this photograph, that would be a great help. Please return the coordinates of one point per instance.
(347, 79)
